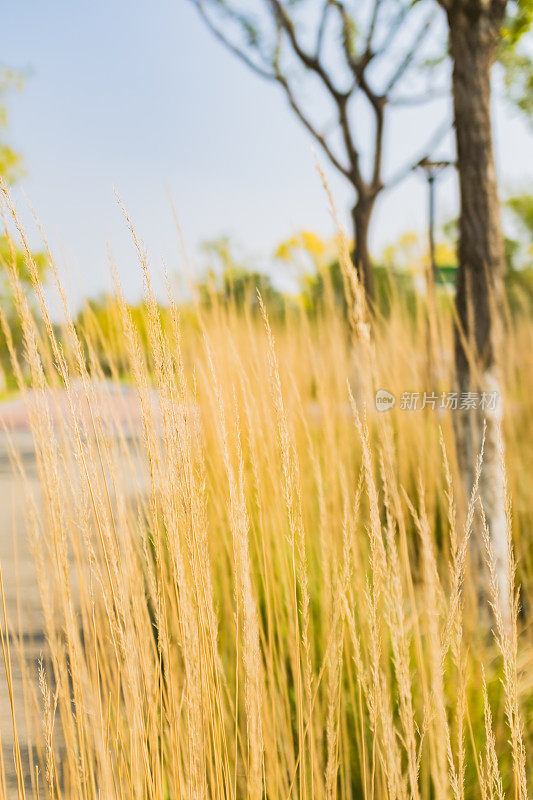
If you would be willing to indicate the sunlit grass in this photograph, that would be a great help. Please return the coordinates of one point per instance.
(258, 586)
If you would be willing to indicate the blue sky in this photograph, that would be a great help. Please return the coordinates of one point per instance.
(139, 97)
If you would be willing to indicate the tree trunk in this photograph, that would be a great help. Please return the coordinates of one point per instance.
(473, 38)
(361, 214)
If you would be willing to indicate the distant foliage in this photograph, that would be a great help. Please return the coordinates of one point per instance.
(10, 160)
(229, 281)
(11, 256)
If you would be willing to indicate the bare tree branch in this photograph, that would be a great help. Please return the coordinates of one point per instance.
(358, 67)
(352, 171)
(433, 142)
(418, 99)
(275, 60)
(241, 54)
(341, 99)
(346, 21)
(310, 61)
(322, 27)
(393, 30)
(412, 51)
(357, 64)
(377, 183)
(353, 154)
(372, 26)
(320, 138)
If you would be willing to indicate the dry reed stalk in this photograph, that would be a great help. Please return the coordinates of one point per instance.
(246, 600)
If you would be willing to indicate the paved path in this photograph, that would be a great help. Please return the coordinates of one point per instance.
(21, 593)
(113, 403)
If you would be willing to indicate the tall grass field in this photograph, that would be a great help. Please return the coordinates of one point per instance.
(254, 584)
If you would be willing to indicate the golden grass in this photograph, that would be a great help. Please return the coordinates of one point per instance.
(266, 592)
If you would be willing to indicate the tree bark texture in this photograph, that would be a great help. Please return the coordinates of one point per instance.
(361, 215)
(474, 32)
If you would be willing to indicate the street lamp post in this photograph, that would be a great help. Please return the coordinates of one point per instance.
(432, 170)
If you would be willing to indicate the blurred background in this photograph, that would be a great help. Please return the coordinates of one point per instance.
(140, 99)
